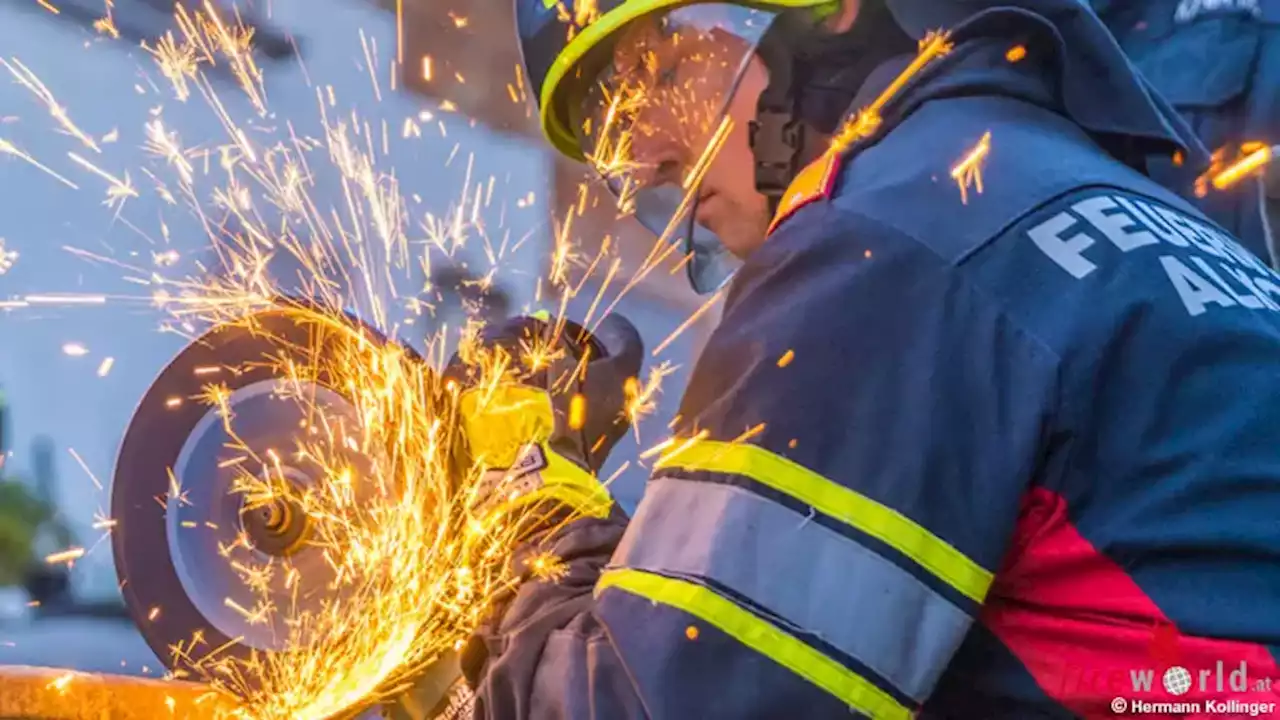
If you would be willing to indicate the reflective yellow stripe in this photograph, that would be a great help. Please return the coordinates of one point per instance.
(830, 498)
(759, 635)
(566, 482)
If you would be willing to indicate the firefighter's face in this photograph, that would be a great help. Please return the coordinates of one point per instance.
(671, 113)
(675, 145)
(670, 116)
(728, 203)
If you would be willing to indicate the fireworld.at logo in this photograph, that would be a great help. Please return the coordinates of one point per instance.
(1178, 680)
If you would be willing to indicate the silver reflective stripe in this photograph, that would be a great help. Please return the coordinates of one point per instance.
(815, 579)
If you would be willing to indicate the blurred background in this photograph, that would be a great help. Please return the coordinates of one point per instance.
(71, 374)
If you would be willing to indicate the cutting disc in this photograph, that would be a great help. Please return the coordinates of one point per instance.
(181, 524)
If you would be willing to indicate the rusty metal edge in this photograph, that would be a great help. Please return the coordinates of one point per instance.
(28, 693)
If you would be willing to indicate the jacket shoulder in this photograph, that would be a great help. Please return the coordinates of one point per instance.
(959, 172)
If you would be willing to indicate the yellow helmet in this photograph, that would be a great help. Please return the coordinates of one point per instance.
(619, 83)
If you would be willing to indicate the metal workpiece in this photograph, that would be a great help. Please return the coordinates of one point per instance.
(36, 693)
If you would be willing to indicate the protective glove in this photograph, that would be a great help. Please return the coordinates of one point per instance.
(439, 693)
(543, 430)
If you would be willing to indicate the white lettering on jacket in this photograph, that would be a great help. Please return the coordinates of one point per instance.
(1206, 268)
(1189, 10)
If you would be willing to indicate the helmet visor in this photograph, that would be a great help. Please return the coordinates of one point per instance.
(655, 113)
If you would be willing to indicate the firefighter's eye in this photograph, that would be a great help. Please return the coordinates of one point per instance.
(668, 171)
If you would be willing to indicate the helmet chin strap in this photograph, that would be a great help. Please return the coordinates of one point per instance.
(814, 78)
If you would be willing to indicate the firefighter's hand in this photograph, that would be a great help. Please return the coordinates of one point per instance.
(541, 430)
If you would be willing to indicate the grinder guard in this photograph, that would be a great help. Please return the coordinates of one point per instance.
(172, 496)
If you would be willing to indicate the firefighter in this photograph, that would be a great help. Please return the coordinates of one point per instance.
(957, 448)
(1218, 63)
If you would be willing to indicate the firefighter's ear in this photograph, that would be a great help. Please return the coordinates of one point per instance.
(843, 19)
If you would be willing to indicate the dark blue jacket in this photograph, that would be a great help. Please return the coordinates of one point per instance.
(1016, 435)
(1218, 63)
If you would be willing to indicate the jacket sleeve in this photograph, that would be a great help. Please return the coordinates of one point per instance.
(822, 531)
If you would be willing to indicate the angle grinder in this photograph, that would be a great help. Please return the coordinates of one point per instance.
(183, 522)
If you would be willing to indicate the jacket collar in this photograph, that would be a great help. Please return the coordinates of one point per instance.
(1091, 80)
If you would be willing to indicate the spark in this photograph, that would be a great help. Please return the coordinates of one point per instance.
(166, 145)
(9, 148)
(117, 191)
(105, 366)
(693, 318)
(7, 257)
(669, 448)
(179, 63)
(867, 121)
(85, 467)
(786, 358)
(969, 169)
(371, 63)
(210, 36)
(74, 350)
(749, 433)
(65, 299)
(28, 79)
(107, 24)
(61, 682)
(65, 557)
(1249, 163)
(168, 258)
(577, 411)
(546, 566)
(102, 522)
(642, 399)
(400, 32)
